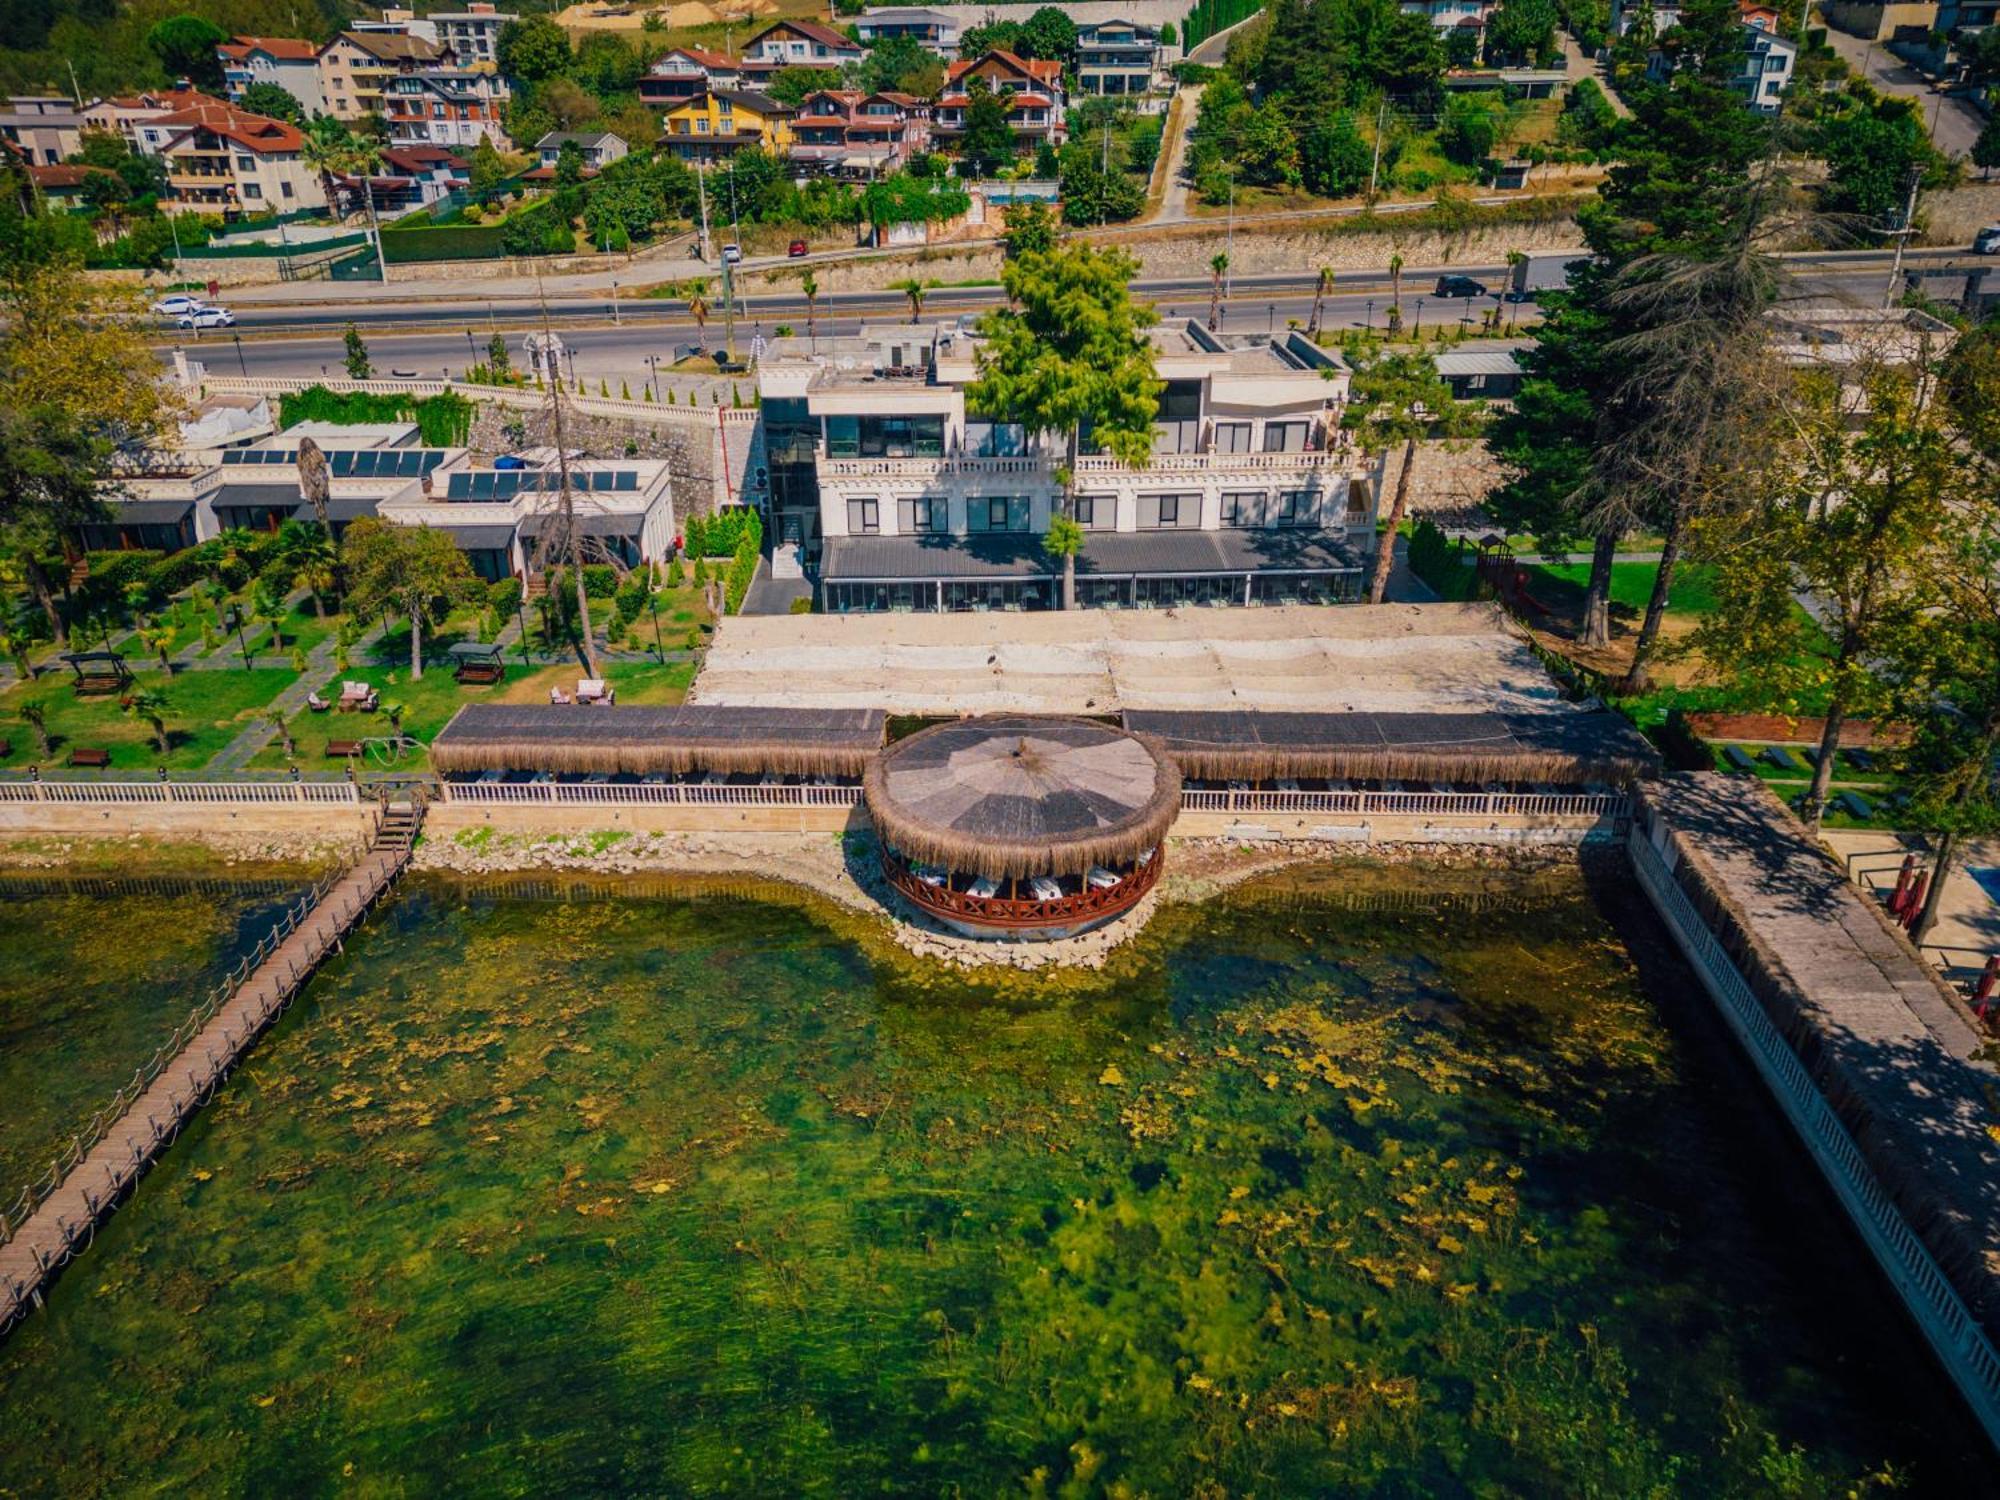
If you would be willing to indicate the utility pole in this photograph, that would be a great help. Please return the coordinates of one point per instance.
(1229, 241)
(1375, 166)
(551, 352)
(701, 187)
(1903, 233)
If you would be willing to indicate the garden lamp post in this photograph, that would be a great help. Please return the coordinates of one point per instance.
(1370, 320)
(521, 614)
(653, 605)
(471, 349)
(614, 306)
(241, 364)
(1417, 327)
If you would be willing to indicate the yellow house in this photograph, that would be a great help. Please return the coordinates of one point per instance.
(714, 123)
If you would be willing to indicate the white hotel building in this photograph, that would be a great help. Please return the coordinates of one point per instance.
(889, 492)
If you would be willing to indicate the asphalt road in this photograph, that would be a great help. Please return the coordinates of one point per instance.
(431, 340)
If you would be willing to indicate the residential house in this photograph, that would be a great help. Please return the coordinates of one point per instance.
(1116, 57)
(412, 177)
(453, 108)
(843, 132)
(912, 501)
(396, 20)
(63, 186)
(797, 44)
(356, 66)
(717, 122)
(1769, 62)
(124, 112)
(221, 159)
(936, 29)
(685, 72)
(1033, 89)
(599, 150)
(43, 130)
(1448, 15)
(472, 34)
(291, 64)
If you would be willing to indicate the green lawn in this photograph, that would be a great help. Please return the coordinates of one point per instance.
(429, 703)
(204, 711)
(1561, 586)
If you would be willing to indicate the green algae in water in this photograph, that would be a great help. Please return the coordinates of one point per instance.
(97, 973)
(697, 1196)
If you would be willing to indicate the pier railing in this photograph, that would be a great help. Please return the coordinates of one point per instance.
(37, 1192)
(1445, 804)
(342, 793)
(1959, 1339)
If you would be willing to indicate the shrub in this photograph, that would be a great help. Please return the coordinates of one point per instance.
(504, 596)
(802, 606)
(176, 571)
(1434, 559)
(600, 580)
(718, 535)
(676, 577)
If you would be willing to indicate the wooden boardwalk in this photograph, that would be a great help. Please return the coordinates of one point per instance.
(56, 1218)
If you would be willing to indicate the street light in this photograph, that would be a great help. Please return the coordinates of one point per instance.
(240, 363)
(614, 305)
(1370, 320)
(1420, 316)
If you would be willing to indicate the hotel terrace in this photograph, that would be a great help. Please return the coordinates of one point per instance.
(895, 496)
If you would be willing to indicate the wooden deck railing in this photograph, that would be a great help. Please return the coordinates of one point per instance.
(1087, 905)
(644, 793)
(1445, 804)
(327, 793)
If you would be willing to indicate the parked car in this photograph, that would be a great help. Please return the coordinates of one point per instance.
(1987, 241)
(207, 317)
(177, 304)
(1459, 286)
(798, 249)
(732, 255)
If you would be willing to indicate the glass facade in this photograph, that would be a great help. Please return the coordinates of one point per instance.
(884, 437)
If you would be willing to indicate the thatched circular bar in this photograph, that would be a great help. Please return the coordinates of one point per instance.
(1011, 796)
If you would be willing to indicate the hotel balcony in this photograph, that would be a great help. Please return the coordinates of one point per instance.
(929, 469)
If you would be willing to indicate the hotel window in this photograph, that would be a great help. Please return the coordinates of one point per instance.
(1168, 512)
(862, 518)
(246, 163)
(1242, 508)
(923, 514)
(1232, 437)
(997, 513)
(1294, 508)
(251, 190)
(1097, 512)
(1285, 437)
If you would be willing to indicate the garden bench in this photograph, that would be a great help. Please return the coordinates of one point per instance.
(342, 749)
(1782, 758)
(98, 759)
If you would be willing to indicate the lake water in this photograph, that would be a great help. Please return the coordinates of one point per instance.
(1351, 1181)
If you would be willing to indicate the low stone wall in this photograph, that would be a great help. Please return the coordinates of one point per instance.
(225, 827)
(691, 445)
(448, 820)
(1445, 476)
(1393, 828)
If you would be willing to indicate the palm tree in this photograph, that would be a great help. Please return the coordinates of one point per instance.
(695, 295)
(913, 288)
(151, 708)
(36, 716)
(810, 286)
(16, 646)
(1395, 295)
(1216, 269)
(309, 550)
(1324, 286)
(284, 729)
(267, 606)
(159, 639)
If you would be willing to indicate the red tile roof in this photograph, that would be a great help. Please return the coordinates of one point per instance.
(47, 177)
(1046, 70)
(288, 49)
(258, 133)
(719, 61)
(162, 100)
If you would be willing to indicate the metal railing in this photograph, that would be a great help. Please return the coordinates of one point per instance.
(255, 793)
(1449, 804)
(1959, 1339)
(645, 793)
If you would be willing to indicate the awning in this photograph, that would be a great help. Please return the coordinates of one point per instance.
(601, 523)
(148, 513)
(1106, 554)
(341, 508)
(480, 538)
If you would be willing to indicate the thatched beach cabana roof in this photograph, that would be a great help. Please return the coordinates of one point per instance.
(1010, 795)
(1573, 746)
(593, 739)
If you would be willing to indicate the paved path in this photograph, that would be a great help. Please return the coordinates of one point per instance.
(1181, 116)
(62, 1224)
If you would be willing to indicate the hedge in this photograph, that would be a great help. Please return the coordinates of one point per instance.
(718, 535)
(443, 421)
(743, 567)
(467, 242)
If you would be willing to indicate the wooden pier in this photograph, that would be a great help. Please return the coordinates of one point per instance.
(55, 1218)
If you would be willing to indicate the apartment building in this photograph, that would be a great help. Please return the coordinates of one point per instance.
(846, 133)
(936, 29)
(288, 62)
(1448, 15)
(797, 44)
(472, 34)
(221, 159)
(713, 124)
(1117, 58)
(679, 75)
(356, 66)
(42, 130)
(911, 501)
(1032, 89)
(450, 108)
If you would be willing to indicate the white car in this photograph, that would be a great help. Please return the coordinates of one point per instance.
(1987, 241)
(732, 255)
(176, 305)
(207, 317)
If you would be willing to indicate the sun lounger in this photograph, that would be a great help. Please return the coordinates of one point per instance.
(317, 704)
(1782, 758)
(1855, 805)
(1738, 758)
(983, 888)
(1101, 878)
(1861, 760)
(1045, 889)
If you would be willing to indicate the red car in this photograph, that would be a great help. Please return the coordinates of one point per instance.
(798, 248)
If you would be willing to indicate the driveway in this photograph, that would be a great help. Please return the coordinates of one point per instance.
(1954, 124)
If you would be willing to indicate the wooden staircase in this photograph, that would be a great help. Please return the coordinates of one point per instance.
(400, 825)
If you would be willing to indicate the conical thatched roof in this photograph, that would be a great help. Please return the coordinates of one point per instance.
(1012, 795)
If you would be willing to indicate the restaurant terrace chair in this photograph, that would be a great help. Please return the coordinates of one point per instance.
(317, 704)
